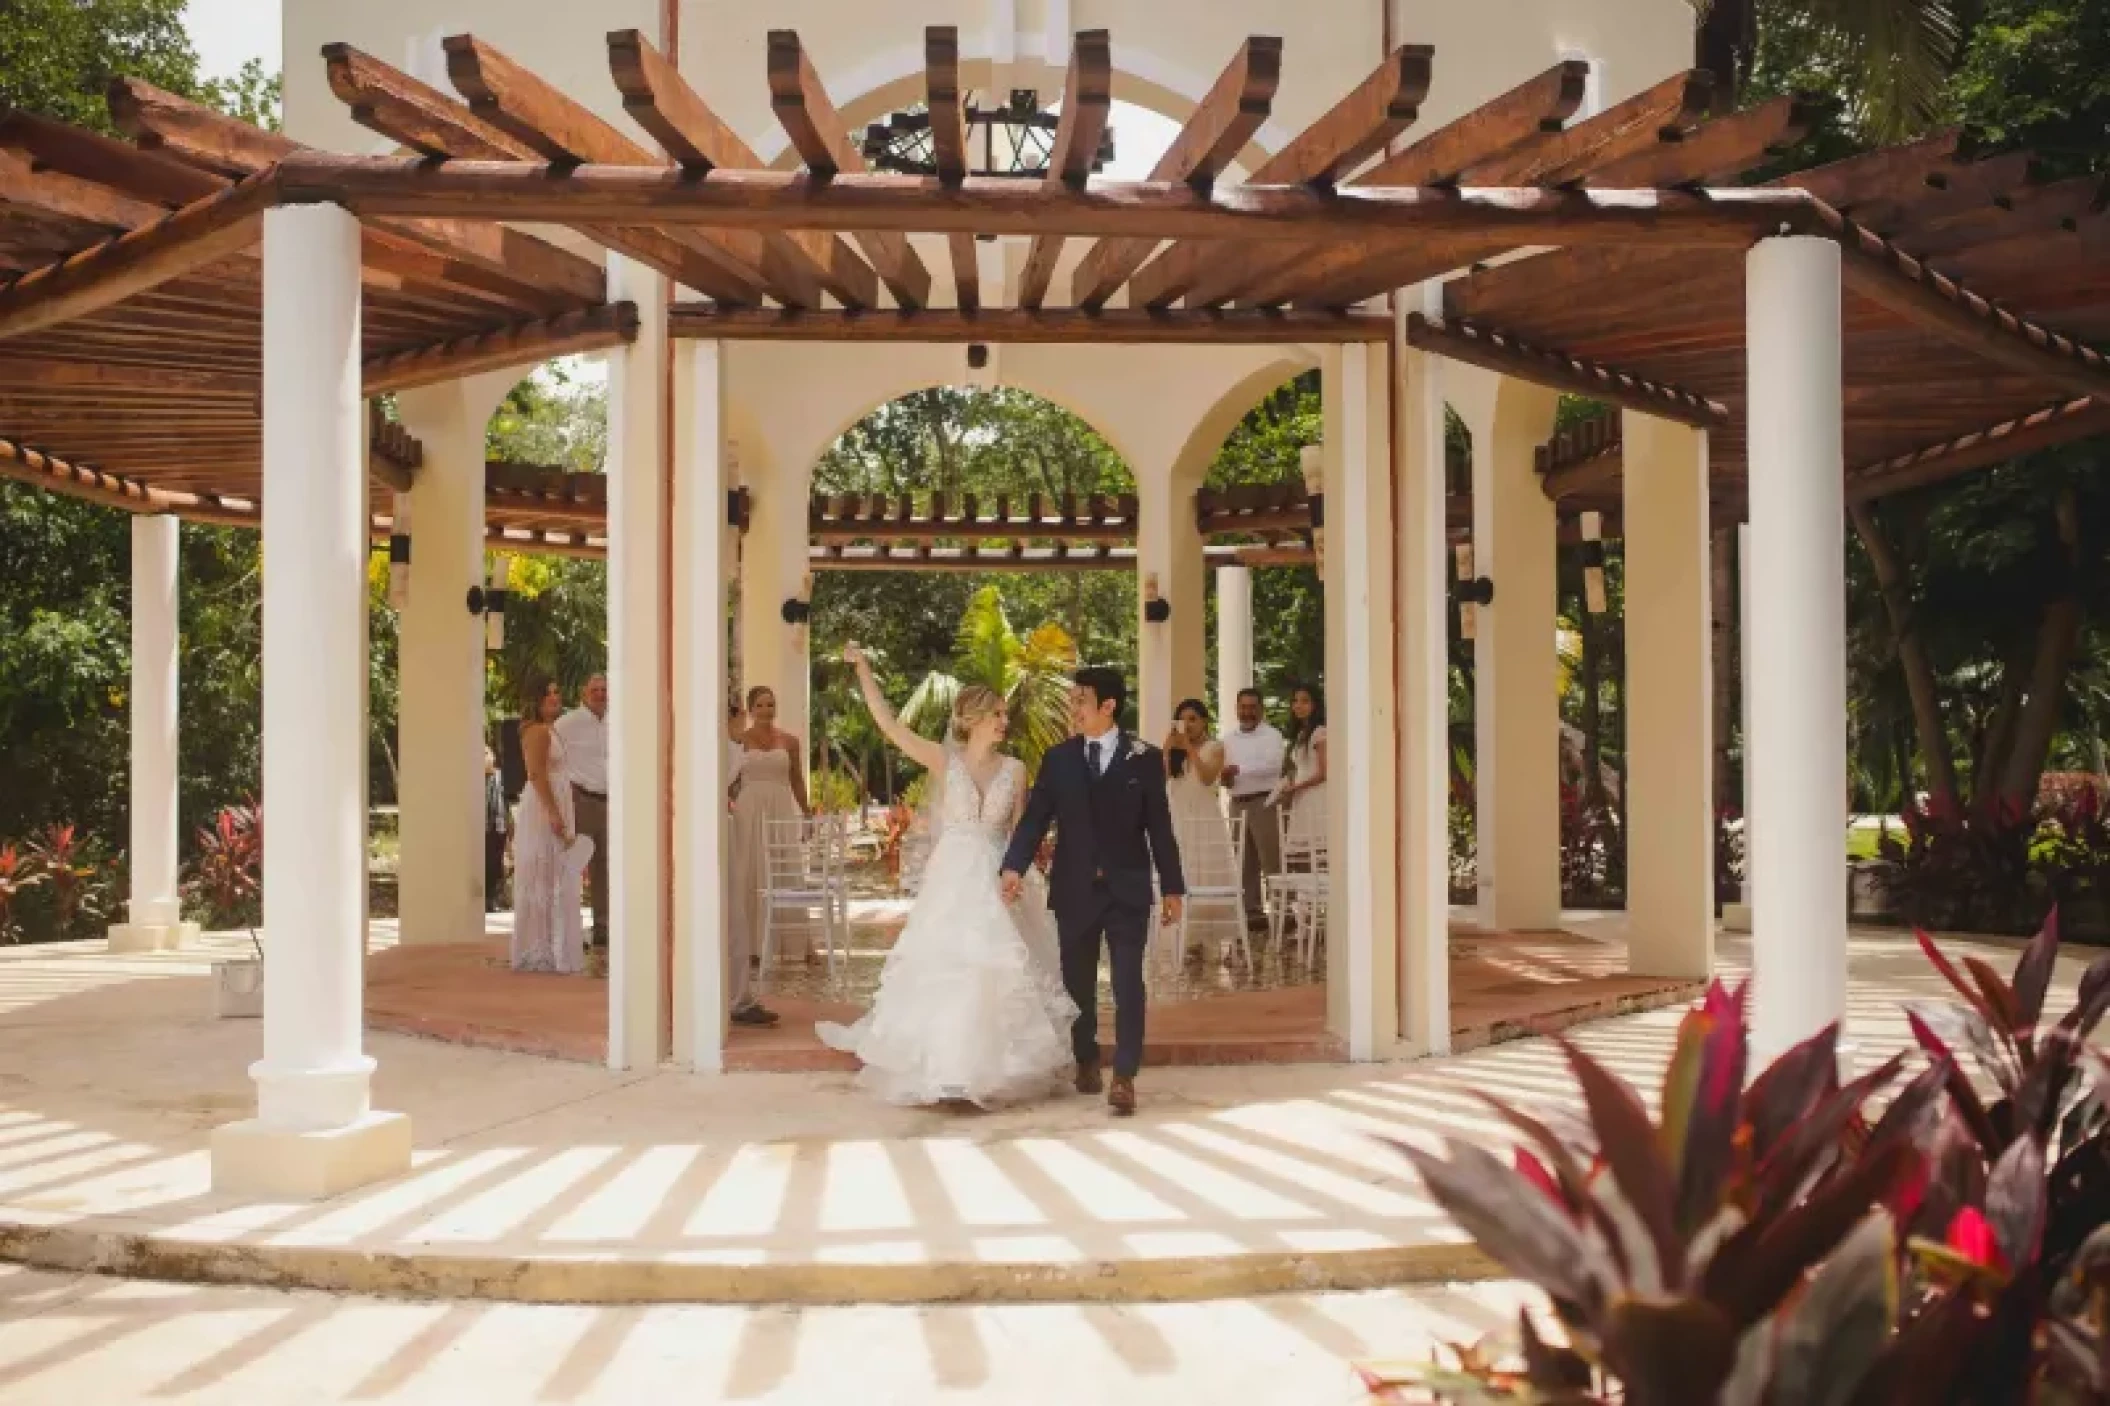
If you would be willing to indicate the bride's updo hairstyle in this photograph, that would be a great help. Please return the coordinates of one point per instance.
(973, 705)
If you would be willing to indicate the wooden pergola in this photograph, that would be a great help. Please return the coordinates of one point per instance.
(130, 309)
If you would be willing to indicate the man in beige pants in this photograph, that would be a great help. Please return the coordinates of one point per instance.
(584, 731)
(1252, 768)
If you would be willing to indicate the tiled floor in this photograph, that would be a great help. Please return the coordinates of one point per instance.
(1503, 986)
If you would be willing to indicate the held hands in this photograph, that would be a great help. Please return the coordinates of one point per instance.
(1011, 886)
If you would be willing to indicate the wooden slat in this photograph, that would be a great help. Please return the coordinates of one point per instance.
(1025, 325)
(2060, 424)
(91, 156)
(776, 200)
(190, 238)
(1087, 99)
(1716, 150)
(1214, 133)
(1658, 115)
(76, 378)
(1533, 109)
(26, 464)
(660, 100)
(1495, 351)
(1376, 111)
(1874, 269)
(948, 138)
(520, 345)
(822, 140)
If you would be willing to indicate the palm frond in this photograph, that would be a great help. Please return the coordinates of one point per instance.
(930, 706)
(1900, 51)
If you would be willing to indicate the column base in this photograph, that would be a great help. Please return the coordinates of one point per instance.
(270, 1163)
(152, 937)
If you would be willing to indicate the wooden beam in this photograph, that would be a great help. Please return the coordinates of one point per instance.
(1087, 100)
(1495, 351)
(1583, 459)
(822, 139)
(91, 156)
(948, 142)
(86, 377)
(201, 233)
(27, 189)
(1658, 115)
(1377, 110)
(1025, 325)
(660, 100)
(1533, 109)
(777, 200)
(1215, 132)
(1344, 273)
(26, 464)
(1718, 149)
(521, 344)
(2079, 418)
(1878, 271)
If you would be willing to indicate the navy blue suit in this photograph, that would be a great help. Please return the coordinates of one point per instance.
(1111, 830)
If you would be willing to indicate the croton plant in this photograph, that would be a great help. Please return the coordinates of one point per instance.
(1784, 1240)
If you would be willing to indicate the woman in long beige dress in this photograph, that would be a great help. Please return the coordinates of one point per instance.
(1305, 794)
(1194, 763)
(772, 787)
(548, 933)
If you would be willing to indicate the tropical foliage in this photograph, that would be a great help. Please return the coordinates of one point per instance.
(1031, 671)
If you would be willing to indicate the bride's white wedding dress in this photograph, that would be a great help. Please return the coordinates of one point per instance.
(965, 1009)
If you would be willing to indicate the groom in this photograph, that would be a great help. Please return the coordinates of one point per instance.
(1105, 790)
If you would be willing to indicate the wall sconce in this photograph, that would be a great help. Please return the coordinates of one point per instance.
(489, 601)
(1311, 459)
(1593, 562)
(799, 609)
(1471, 592)
(977, 356)
(399, 554)
(1156, 609)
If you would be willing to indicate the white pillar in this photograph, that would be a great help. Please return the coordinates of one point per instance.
(1516, 682)
(1424, 703)
(1669, 709)
(1797, 660)
(703, 565)
(637, 682)
(154, 910)
(1171, 663)
(440, 735)
(315, 1133)
(1234, 639)
(1362, 746)
(774, 565)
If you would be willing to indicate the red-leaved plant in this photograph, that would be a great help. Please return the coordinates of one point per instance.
(19, 873)
(227, 877)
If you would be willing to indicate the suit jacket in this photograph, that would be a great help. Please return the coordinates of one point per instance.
(1111, 829)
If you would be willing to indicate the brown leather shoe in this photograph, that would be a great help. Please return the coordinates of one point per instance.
(1088, 1079)
(1121, 1096)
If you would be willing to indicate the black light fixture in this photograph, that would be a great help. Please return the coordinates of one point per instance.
(799, 609)
(977, 356)
(1470, 592)
(1156, 609)
(489, 601)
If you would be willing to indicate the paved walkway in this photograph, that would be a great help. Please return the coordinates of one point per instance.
(553, 1181)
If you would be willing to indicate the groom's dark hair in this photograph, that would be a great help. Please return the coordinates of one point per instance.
(1107, 685)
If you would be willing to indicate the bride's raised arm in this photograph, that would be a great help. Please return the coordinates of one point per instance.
(920, 750)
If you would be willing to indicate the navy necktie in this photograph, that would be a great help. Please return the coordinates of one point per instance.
(1098, 766)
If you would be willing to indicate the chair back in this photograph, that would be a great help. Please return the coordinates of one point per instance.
(796, 854)
(1212, 852)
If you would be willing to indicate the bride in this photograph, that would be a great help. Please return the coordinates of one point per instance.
(964, 1012)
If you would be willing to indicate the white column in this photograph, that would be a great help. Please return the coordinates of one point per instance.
(1234, 639)
(1362, 747)
(440, 735)
(155, 908)
(1669, 693)
(1797, 660)
(773, 569)
(1516, 682)
(1171, 663)
(637, 682)
(1424, 704)
(703, 567)
(315, 1133)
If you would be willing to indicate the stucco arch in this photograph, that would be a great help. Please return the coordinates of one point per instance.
(1237, 401)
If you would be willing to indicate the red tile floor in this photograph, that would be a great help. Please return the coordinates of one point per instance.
(1503, 986)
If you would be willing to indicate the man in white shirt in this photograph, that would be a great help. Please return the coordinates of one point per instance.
(584, 731)
(1253, 754)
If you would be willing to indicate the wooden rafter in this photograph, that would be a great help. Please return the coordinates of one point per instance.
(1014, 559)
(2075, 419)
(1496, 351)
(1213, 135)
(1582, 459)
(1885, 275)
(1715, 150)
(841, 518)
(521, 344)
(1087, 101)
(948, 139)
(26, 464)
(1024, 325)
(1376, 111)
(777, 200)
(1658, 115)
(821, 138)
(200, 233)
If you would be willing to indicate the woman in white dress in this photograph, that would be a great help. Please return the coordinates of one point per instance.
(548, 935)
(1305, 793)
(771, 779)
(964, 1013)
(1194, 763)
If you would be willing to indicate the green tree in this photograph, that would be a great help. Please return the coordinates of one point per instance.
(1032, 671)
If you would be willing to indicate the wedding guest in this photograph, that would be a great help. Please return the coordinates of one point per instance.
(585, 733)
(1194, 763)
(546, 927)
(1305, 795)
(772, 787)
(1253, 753)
